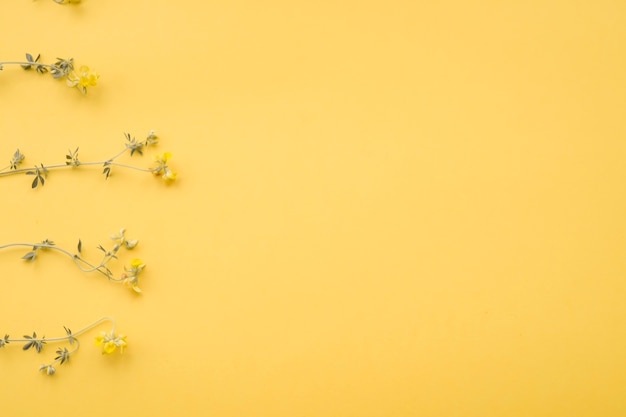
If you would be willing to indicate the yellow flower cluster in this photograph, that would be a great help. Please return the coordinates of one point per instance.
(162, 169)
(130, 277)
(110, 342)
(85, 78)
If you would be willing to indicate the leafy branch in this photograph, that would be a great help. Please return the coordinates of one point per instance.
(108, 340)
(61, 68)
(131, 146)
(129, 277)
(66, 1)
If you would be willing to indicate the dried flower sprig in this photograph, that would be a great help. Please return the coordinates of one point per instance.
(62, 68)
(66, 1)
(132, 145)
(109, 341)
(130, 276)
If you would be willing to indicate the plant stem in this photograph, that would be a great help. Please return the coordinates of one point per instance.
(35, 64)
(115, 164)
(3, 171)
(83, 330)
(76, 258)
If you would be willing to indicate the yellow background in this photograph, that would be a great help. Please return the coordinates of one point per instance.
(402, 208)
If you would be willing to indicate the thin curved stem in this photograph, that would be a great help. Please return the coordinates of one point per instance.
(128, 276)
(95, 323)
(75, 349)
(35, 64)
(70, 353)
(75, 258)
(83, 330)
(122, 152)
(20, 170)
(115, 164)
(3, 171)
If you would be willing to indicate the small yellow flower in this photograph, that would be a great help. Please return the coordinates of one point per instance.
(169, 176)
(162, 169)
(132, 284)
(162, 157)
(130, 278)
(109, 347)
(137, 263)
(110, 342)
(85, 78)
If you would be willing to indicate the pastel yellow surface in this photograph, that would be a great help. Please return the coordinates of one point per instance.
(402, 208)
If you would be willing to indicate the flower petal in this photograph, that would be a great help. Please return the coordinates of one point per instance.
(109, 347)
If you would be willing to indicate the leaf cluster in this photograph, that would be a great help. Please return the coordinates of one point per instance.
(34, 342)
(107, 169)
(17, 159)
(30, 256)
(70, 336)
(34, 63)
(40, 174)
(62, 67)
(4, 340)
(71, 158)
(63, 355)
(133, 145)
